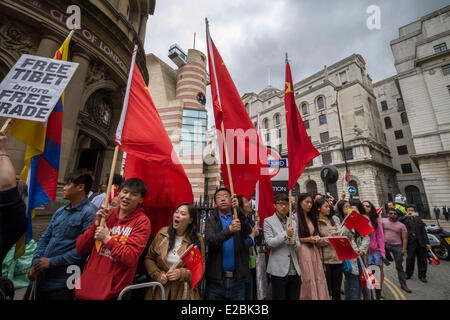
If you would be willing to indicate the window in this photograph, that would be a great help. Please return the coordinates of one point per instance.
(324, 137)
(388, 122)
(404, 117)
(311, 187)
(326, 158)
(270, 102)
(406, 168)
(266, 123)
(446, 69)
(310, 164)
(279, 133)
(343, 76)
(280, 147)
(247, 107)
(193, 131)
(306, 123)
(267, 137)
(348, 154)
(400, 104)
(402, 150)
(320, 103)
(448, 88)
(304, 109)
(277, 119)
(322, 119)
(440, 47)
(398, 134)
(384, 105)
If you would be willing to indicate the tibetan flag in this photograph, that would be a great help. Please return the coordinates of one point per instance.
(236, 134)
(41, 157)
(344, 249)
(150, 154)
(194, 261)
(300, 149)
(357, 221)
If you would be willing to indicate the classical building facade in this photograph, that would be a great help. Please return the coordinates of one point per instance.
(399, 140)
(102, 47)
(422, 60)
(180, 98)
(368, 157)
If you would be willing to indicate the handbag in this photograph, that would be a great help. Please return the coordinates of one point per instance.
(346, 266)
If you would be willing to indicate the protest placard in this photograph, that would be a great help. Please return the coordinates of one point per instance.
(33, 86)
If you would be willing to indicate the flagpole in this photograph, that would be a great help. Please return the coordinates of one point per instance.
(230, 179)
(7, 125)
(98, 243)
(290, 191)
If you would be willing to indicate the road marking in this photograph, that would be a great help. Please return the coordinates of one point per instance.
(402, 296)
(391, 289)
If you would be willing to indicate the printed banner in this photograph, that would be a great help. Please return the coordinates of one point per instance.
(33, 86)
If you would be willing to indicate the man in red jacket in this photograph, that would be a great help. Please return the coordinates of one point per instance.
(123, 239)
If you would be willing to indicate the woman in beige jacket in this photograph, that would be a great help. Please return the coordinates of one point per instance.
(332, 264)
(165, 251)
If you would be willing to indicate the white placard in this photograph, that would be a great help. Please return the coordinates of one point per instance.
(33, 87)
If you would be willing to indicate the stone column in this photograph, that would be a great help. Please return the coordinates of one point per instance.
(72, 107)
(47, 47)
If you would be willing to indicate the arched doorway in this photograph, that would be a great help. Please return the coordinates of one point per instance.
(311, 187)
(413, 197)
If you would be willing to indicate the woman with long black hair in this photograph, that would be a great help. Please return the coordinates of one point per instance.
(314, 285)
(165, 251)
(376, 247)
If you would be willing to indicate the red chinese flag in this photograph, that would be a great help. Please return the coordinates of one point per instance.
(359, 222)
(193, 260)
(344, 249)
(247, 154)
(266, 207)
(150, 155)
(300, 149)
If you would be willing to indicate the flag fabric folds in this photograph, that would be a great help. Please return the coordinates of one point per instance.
(150, 155)
(300, 149)
(357, 221)
(344, 249)
(194, 261)
(248, 156)
(41, 163)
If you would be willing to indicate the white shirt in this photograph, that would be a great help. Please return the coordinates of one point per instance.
(172, 255)
(98, 200)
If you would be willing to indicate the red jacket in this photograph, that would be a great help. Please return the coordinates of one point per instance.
(113, 268)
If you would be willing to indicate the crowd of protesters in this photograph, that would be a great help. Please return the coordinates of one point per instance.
(300, 261)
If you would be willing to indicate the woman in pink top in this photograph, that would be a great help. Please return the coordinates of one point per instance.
(376, 246)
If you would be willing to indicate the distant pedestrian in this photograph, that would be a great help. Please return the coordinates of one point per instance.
(418, 244)
(446, 212)
(396, 240)
(437, 211)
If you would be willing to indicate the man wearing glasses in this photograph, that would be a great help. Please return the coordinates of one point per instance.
(283, 243)
(227, 263)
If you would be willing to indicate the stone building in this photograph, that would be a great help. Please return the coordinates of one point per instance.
(102, 47)
(368, 157)
(180, 98)
(399, 140)
(422, 60)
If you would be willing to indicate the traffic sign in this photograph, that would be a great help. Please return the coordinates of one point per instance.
(352, 190)
(273, 155)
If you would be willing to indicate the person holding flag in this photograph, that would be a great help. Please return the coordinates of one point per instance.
(163, 260)
(333, 266)
(360, 244)
(12, 207)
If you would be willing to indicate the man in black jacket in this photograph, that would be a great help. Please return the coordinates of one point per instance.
(227, 263)
(417, 243)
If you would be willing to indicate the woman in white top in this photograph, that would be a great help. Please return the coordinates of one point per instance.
(165, 251)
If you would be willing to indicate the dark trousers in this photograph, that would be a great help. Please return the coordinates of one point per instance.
(230, 289)
(396, 250)
(415, 250)
(333, 274)
(285, 288)
(57, 294)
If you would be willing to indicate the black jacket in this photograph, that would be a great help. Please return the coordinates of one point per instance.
(416, 230)
(215, 236)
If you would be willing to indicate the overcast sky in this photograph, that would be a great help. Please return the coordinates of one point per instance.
(252, 36)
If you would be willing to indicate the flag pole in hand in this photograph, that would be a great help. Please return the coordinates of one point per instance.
(6, 125)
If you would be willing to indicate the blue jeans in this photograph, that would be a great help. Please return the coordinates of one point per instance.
(352, 286)
(231, 289)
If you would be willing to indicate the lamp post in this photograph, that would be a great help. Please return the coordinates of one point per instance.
(337, 88)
